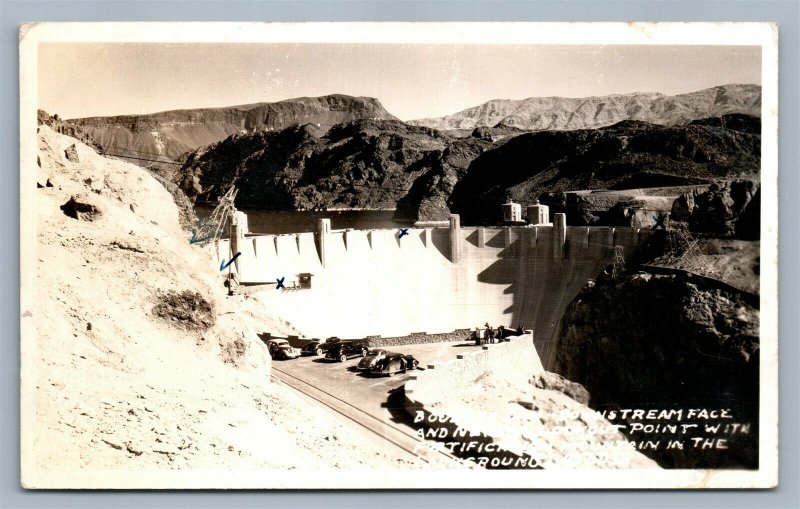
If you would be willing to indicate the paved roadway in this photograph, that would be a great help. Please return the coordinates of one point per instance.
(368, 393)
(375, 401)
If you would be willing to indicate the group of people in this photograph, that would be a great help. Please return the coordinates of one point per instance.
(489, 335)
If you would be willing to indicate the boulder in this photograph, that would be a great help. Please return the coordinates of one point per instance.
(556, 382)
(81, 209)
(71, 153)
(682, 207)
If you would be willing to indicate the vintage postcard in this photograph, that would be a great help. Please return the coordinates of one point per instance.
(399, 255)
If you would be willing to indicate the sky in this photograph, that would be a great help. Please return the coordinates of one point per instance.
(410, 80)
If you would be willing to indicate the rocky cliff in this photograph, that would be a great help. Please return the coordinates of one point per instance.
(165, 136)
(560, 113)
(668, 341)
(726, 209)
(362, 164)
(426, 174)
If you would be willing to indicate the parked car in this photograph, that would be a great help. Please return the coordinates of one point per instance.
(345, 350)
(370, 359)
(394, 363)
(281, 349)
(503, 333)
(320, 346)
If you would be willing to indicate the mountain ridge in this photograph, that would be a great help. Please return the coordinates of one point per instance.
(162, 141)
(565, 113)
(426, 174)
(171, 134)
(241, 107)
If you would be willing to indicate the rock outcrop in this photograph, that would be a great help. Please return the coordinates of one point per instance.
(81, 209)
(555, 382)
(668, 341)
(730, 208)
(66, 127)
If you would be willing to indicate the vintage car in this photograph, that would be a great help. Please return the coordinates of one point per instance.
(370, 359)
(394, 363)
(345, 350)
(281, 349)
(320, 346)
(503, 333)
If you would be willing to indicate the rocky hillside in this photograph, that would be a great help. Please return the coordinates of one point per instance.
(362, 164)
(668, 341)
(140, 362)
(627, 155)
(169, 134)
(560, 113)
(66, 127)
(426, 173)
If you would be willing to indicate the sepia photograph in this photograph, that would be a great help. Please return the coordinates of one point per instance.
(398, 255)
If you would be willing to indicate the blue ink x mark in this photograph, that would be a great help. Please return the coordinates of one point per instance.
(223, 265)
(403, 231)
(280, 283)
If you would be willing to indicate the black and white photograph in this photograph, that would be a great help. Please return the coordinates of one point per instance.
(398, 255)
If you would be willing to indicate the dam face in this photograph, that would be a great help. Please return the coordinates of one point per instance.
(377, 282)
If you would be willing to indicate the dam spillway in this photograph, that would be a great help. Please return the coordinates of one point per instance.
(367, 282)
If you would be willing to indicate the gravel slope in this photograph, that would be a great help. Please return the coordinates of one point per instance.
(111, 386)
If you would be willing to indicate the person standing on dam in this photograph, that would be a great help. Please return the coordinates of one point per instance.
(478, 335)
(501, 333)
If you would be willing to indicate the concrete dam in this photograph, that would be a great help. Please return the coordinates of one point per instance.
(391, 282)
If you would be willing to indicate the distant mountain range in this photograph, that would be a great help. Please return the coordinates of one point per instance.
(343, 151)
(559, 113)
(170, 135)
